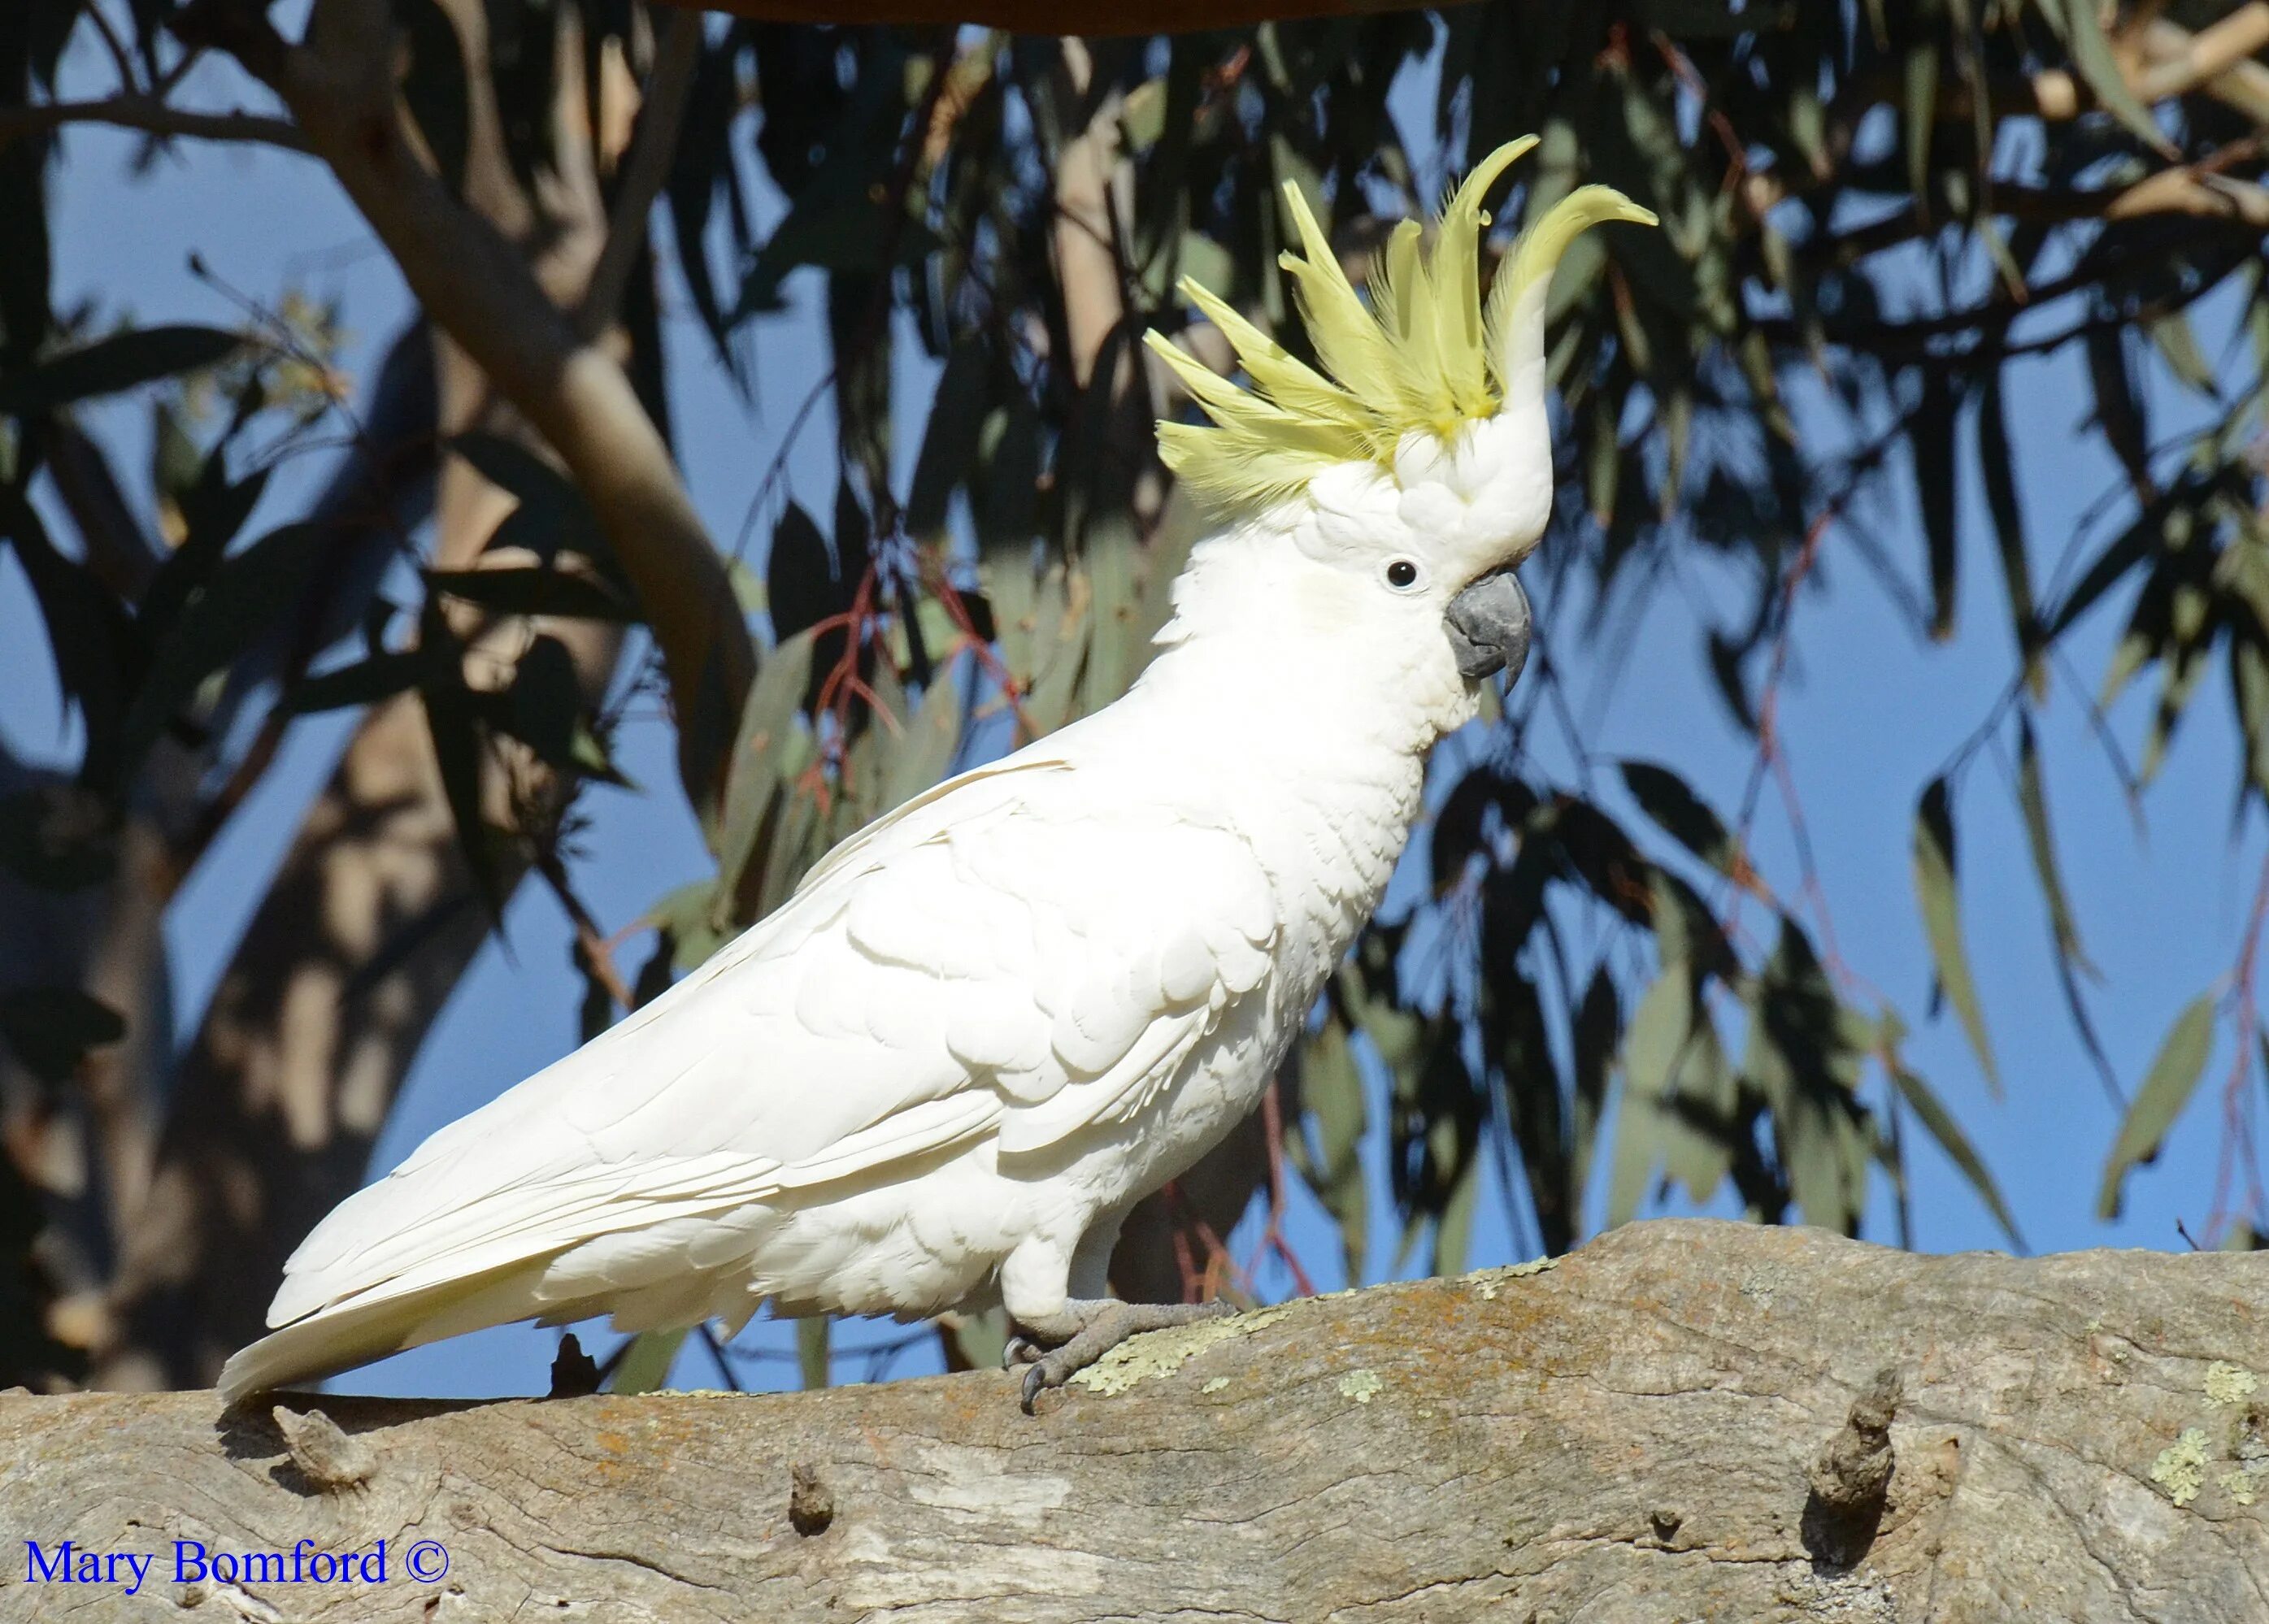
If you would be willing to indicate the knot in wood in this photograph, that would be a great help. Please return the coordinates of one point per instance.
(810, 1502)
(325, 1456)
(1853, 1472)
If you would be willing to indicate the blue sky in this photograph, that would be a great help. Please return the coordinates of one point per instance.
(1869, 715)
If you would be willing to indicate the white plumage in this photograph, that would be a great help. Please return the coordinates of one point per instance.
(986, 1025)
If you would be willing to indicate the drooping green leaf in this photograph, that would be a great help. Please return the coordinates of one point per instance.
(957, 418)
(1997, 466)
(811, 1351)
(367, 682)
(214, 509)
(748, 588)
(2032, 801)
(801, 581)
(1934, 876)
(2118, 404)
(1656, 1038)
(1603, 458)
(1942, 1128)
(543, 709)
(933, 733)
(1598, 1022)
(645, 1364)
(553, 514)
(51, 1029)
(57, 836)
(760, 749)
(1666, 798)
(244, 597)
(2080, 23)
(1700, 1132)
(1453, 1232)
(2177, 345)
(2132, 547)
(455, 725)
(2166, 1088)
(1920, 106)
(1931, 433)
(110, 365)
(2249, 681)
(436, 87)
(1803, 1057)
(97, 651)
(683, 917)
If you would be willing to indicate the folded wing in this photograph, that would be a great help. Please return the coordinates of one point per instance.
(1014, 957)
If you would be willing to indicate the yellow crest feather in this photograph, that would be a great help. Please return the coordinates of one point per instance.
(1421, 356)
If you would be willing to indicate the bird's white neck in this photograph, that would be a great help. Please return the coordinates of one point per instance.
(1309, 739)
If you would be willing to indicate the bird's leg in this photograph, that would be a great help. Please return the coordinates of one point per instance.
(1086, 1328)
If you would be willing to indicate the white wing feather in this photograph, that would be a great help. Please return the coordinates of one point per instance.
(1019, 953)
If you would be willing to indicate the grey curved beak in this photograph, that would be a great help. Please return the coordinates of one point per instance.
(1488, 627)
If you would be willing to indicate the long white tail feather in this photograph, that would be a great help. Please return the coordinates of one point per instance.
(340, 1338)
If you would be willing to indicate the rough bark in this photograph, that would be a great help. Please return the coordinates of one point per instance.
(1682, 1420)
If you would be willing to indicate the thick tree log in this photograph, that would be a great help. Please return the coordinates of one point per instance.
(1682, 1420)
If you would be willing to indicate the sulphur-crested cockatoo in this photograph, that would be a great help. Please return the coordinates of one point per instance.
(989, 1023)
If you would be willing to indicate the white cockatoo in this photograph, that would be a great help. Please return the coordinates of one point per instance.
(990, 1022)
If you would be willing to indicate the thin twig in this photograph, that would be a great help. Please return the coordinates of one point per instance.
(1859, 469)
(123, 59)
(1272, 1237)
(154, 117)
(2237, 1139)
(589, 939)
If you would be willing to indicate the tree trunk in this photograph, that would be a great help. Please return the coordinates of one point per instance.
(373, 916)
(1682, 1420)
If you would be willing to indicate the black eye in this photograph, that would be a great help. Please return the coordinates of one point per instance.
(1401, 574)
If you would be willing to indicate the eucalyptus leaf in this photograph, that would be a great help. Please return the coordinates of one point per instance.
(2166, 1088)
(1942, 1126)
(246, 594)
(1668, 799)
(367, 682)
(1935, 890)
(111, 366)
(52, 1028)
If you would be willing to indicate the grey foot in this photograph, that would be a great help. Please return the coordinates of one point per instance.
(1088, 1329)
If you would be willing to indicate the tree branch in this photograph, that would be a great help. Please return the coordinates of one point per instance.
(475, 286)
(1682, 1420)
(661, 116)
(156, 117)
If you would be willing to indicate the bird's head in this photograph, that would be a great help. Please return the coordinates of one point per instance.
(1415, 470)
